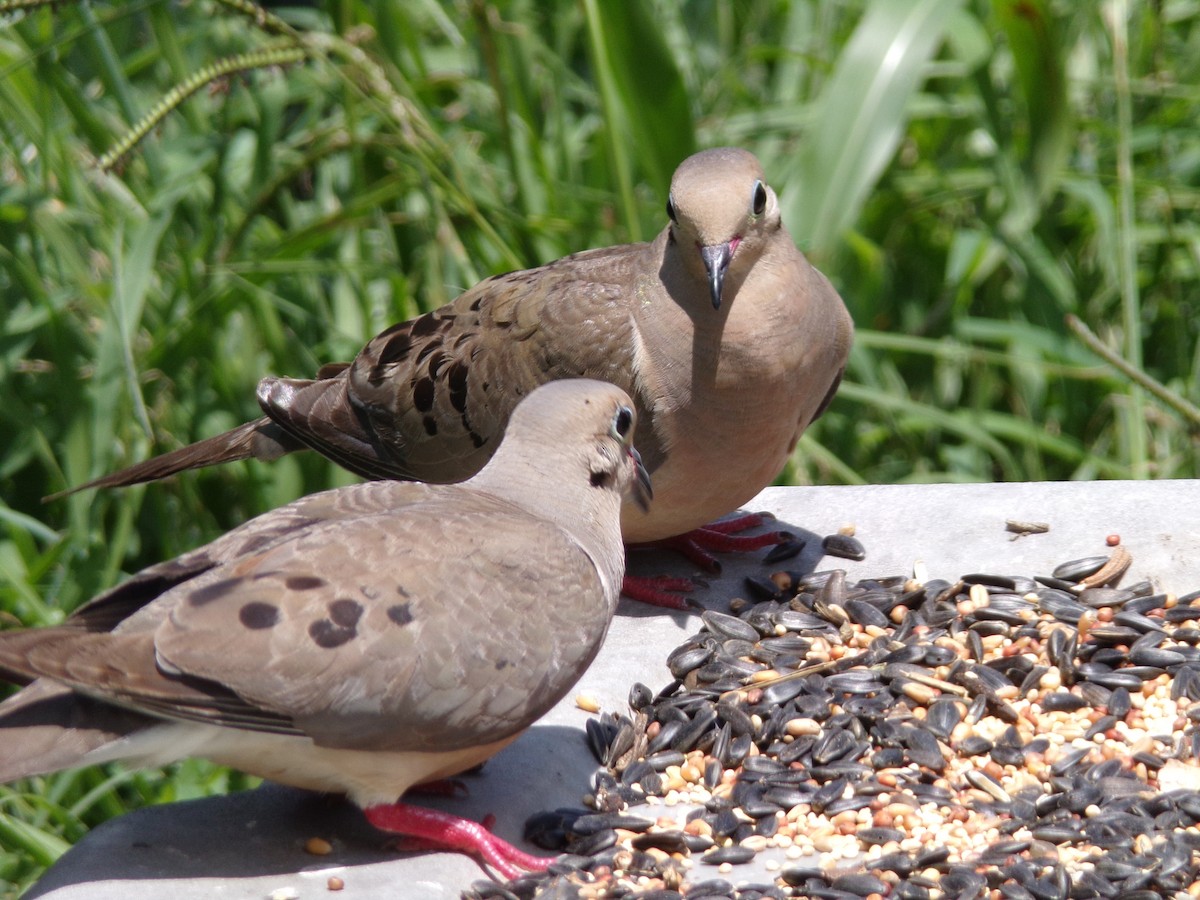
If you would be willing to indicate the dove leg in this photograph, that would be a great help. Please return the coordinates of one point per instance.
(658, 590)
(700, 544)
(442, 830)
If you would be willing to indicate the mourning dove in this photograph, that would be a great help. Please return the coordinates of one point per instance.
(728, 340)
(361, 640)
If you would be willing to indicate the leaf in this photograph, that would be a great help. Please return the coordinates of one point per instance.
(1040, 61)
(41, 845)
(643, 90)
(860, 117)
(116, 369)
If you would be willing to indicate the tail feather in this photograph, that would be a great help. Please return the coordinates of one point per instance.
(260, 439)
(301, 414)
(47, 727)
(323, 416)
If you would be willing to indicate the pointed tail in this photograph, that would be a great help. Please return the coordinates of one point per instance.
(260, 439)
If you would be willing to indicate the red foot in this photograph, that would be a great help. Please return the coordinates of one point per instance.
(720, 537)
(658, 590)
(432, 829)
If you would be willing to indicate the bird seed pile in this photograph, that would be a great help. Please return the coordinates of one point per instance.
(996, 736)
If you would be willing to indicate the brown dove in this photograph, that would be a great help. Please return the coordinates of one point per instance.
(362, 640)
(728, 340)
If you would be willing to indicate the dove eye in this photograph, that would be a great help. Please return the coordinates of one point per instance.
(760, 198)
(622, 422)
(671, 209)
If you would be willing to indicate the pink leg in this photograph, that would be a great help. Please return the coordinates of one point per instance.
(720, 537)
(658, 590)
(435, 829)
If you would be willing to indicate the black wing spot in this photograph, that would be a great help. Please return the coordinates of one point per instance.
(427, 324)
(457, 380)
(423, 392)
(436, 361)
(345, 612)
(392, 329)
(214, 591)
(257, 616)
(395, 349)
(477, 440)
(430, 424)
(401, 613)
(303, 582)
(329, 636)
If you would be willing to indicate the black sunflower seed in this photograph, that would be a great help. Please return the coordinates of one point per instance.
(1076, 569)
(734, 854)
(844, 546)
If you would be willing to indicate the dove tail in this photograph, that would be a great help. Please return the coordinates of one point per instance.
(47, 727)
(260, 439)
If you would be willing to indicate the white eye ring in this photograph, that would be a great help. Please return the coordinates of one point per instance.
(622, 423)
(759, 203)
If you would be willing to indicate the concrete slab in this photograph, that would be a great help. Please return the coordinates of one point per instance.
(251, 845)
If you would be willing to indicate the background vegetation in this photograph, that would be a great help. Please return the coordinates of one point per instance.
(968, 173)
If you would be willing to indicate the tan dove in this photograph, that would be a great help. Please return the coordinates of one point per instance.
(361, 640)
(728, 340)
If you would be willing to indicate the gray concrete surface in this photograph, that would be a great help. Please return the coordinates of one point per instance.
(251, 845)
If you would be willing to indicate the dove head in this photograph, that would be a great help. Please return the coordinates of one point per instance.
(573, 439)
(721, 212)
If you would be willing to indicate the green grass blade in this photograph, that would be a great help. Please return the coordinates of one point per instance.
(649, 88)
(44, 846)
(860, 117)
(1033, 35)
(643, 96)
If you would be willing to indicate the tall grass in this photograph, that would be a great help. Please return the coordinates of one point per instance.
(968, 174)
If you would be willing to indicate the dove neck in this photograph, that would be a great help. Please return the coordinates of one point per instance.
(549, 480)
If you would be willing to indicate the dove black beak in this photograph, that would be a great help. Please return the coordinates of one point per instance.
(716, 260)
(643, 493)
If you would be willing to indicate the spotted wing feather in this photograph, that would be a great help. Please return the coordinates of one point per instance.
(368, 650)
(106, 611)
(380, 654)
(436, 392)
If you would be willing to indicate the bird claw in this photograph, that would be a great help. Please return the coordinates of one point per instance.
(660, 590)
(699, 545)
(738, 524)
(429, 829)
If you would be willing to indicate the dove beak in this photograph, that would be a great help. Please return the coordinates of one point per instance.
(643, 493)
(716, 260)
